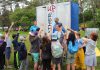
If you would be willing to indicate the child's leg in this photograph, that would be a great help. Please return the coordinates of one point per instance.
(44, 64)
(93, 68)
(73, 66)
(48, 64)
(54, 66)
(26, 64)
(8, 56)
(1, 63)
(59, 66)
(35, 65)
(88, 68)
(22, 65)
(82, 59)
(3, 59)
(15, 61)
(36, 59)
(68, 66)
(77, 64)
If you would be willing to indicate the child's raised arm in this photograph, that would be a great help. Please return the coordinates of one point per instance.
(72, 31)
(10, 28)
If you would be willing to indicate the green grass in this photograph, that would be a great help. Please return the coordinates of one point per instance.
(30, 58)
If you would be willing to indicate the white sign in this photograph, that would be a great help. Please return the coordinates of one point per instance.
(88, 31)
(46, 15)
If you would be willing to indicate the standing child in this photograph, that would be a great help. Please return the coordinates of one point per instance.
(8, 46)
(80, 57)
(71, 42)
(33, 29)
(22, 54)
(35, 49)
(2, 52)
(90, 55)
(15, 45)
(45, 53)
(56, 47)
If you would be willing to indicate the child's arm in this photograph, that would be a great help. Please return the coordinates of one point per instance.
(40, 54)
(10, 28)
(85, 40)
(17, 35)
(73, 31)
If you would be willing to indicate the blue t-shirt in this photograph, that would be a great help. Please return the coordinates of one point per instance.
(80, 42)
(54, 28)
(33, 28)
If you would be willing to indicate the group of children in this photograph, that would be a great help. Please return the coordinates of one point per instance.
(50, 48)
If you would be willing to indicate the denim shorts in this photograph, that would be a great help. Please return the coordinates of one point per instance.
(7, 52)
(35, 57)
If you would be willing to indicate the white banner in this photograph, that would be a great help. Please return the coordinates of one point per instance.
(46, 15)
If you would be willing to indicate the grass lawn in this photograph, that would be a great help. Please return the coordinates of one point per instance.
(30, 59)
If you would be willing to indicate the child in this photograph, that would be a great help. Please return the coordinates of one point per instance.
(2, 52)
(80, 54)
(15, 45)
(22, 54)
(71, 57)
(33, 30)
(90, 55)
(8, 46)
(57, 42)
(45, 53)
(35, 43)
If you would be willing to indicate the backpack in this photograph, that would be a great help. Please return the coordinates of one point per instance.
(22, 52)
(73, 49)
(57, 49)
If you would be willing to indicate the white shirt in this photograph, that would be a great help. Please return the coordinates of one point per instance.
(7, 40)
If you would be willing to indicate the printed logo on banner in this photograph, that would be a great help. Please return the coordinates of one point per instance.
(52, 8)
(51, 16)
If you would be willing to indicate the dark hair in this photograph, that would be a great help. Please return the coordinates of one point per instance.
(94, 36)
(71, 38)
(45, 40)
(13, 36)
(37, 29)
(59, 24)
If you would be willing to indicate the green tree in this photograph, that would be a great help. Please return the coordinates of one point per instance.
(23, 16)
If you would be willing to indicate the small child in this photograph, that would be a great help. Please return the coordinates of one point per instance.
(80, 54)
(90, 55)
(57, 52)
(45, 53)
(15, 45)
(8, 46)
(2, 52)
(22, 54)
(35, 49)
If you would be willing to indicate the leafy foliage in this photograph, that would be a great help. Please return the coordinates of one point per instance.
(23, 16)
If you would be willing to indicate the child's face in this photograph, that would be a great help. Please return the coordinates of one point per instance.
(35, 22)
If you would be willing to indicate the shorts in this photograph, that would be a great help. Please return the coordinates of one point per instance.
(35, 57)
(57, 60)
(7, 52)
(90, 60)
(70, 58)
